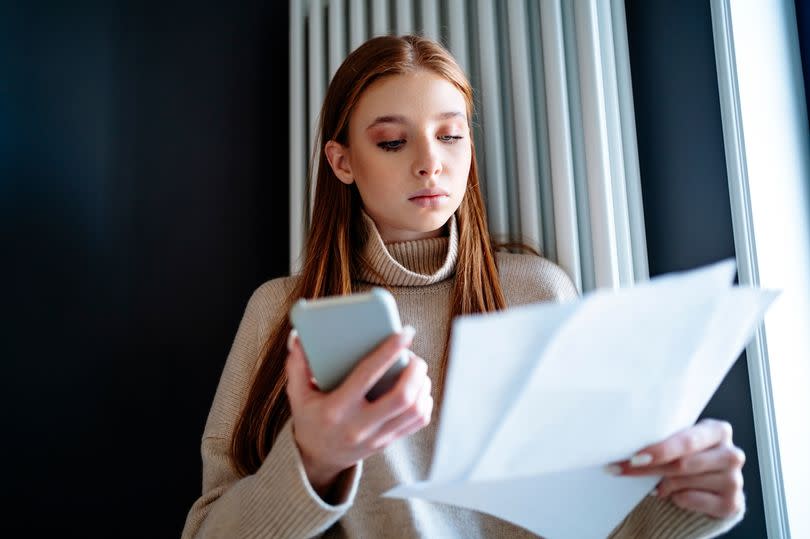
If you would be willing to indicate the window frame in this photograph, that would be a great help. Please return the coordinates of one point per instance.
(745, 132)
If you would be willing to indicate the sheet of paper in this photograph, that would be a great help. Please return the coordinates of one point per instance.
(540, 397)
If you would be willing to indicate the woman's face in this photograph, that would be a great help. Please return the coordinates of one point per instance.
(409, 154)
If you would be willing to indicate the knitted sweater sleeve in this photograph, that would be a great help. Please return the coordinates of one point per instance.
(656, 517)
(277, 500)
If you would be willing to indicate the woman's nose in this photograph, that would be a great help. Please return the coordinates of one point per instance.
(427, 163)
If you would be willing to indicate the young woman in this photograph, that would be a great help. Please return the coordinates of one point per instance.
(397, 204)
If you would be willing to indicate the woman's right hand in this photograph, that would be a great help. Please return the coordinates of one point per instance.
(335, 430)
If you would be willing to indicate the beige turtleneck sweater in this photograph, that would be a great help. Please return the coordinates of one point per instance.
(278, 501)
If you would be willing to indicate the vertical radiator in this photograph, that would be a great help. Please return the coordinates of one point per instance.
(554, 125)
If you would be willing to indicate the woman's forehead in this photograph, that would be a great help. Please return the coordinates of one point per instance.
(418, 97)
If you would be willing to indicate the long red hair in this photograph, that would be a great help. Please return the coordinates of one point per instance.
(336, 235)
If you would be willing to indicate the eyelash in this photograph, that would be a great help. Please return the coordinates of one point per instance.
(385, 145)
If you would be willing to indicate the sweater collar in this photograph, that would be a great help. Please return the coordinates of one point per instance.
(408, 263)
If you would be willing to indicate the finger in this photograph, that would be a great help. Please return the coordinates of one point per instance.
(419, 424)
(402, 396)
(406, 424)
(390, 423)
(404, 431)
(721, 483)
(718, 458)
(292, 339)
(703, 435)
(298, 384)
(292, 342)
(708, 503)
(372, 367)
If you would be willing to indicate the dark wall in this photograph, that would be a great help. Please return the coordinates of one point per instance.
(684, 181)
(143, 196)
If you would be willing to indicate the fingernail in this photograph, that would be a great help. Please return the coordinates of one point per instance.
(291, 339)
(407, 334)
(613, 469)
(641, 459)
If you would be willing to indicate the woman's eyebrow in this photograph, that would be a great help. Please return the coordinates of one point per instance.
(399, 119)
(449, 115)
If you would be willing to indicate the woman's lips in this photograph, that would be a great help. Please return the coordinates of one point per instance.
(430, 201)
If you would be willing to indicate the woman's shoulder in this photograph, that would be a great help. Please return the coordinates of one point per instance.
(275, 290)
(528, 278)
(268, 302)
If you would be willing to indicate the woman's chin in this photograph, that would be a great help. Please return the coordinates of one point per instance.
(413, 224)
(431, 227)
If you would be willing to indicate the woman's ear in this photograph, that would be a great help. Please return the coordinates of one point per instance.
(338, 156)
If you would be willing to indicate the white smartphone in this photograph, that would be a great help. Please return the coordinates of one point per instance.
(336, 332)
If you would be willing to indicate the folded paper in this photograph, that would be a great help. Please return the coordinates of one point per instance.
(539, 398)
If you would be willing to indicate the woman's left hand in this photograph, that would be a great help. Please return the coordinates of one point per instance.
(701, 469)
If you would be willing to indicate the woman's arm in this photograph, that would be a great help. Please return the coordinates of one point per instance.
(278, 500)
(659, 517)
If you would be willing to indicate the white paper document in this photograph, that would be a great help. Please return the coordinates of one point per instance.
(539, 398)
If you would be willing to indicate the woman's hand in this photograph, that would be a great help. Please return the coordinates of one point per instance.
(701, 468)
(335, 430)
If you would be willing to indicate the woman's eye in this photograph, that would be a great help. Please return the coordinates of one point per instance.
(451, 139)
(391, 145)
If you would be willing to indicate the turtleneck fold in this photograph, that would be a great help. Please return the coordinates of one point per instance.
(408, 263)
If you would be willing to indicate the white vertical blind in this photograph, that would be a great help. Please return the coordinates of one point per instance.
(561, 157)
(404, 16)
(548, 243)
(337, 35)
(577, 142)
(527, 177)
(457, 32)
(430, 18)
(298, 135)
(610, 95)
(491, 119)
(357, 23)
(379, 17)
(627, 117)
(316, 79)
(597, 157)
(555, 131)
